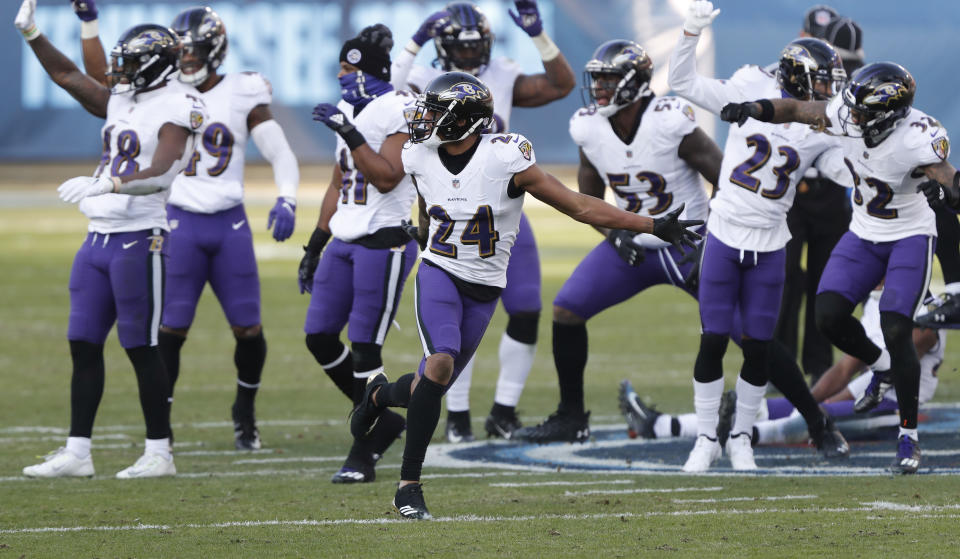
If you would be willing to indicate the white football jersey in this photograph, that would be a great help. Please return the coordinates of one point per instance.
(361, 208)
(499, 76)
(473, 219)
(886, 204)
(213, 179)
(130, 137)
(646, 175)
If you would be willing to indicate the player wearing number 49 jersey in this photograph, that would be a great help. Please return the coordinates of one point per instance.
(471, 189)
(893, 231)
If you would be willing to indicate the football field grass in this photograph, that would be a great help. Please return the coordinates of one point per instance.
(279, 502)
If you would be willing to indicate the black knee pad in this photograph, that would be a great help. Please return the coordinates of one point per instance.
(896, 327)
(523, 327)
(830, 310)
(326, 348)
(366, 356)
(755, 361)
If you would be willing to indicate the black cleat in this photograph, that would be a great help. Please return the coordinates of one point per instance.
(640, 417)
(728, 408)
(246, 436)
(829, 440)
(559, 427)
(458, 427)
(502, 424)
(364, 416)
(880, 383)
(908, 456)
(409, 502)
(944, 315)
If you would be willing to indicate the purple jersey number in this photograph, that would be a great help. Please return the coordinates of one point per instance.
(352, 178)
(128, 148)
(742, 174)
(218, 142)
(658, 189)
(480, 230)
(877, 206)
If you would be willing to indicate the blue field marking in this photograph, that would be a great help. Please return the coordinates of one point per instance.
(611, 451)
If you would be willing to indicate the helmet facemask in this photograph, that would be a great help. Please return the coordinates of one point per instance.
(465, 43)
(875, 100)
(810, 69)
(620, 73)
(433, 124)
(204, 38)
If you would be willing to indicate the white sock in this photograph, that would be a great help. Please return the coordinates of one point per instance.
(952, 288)
(883, 362)
(663, 426)
(516, 360)
(688, 425)
(458, 395)
(158, 446)
(912, 433)
(706, 402)
(79, 446)
(749, 400)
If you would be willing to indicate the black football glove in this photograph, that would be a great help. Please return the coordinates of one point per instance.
(739, 112)
(414, 233)
(628, 250)
(677, 232)
(938, 195)
(311, 258)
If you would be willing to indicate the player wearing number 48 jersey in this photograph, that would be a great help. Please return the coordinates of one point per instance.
(210, 237)
(471, 189)
(893, 231)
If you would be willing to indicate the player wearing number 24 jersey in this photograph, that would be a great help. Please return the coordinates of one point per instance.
(471, 189)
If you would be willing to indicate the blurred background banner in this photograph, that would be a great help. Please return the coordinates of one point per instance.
(296, 44)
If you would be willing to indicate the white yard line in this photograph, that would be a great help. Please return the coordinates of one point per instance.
(636, 491)
(739, 499)
(564, 483)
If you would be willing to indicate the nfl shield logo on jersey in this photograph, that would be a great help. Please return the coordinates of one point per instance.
(456, 183)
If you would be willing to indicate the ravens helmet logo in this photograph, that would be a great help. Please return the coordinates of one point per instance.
(885, 94)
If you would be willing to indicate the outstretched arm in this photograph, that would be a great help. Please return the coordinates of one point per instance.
(94, 58)
(92, 95)
(590, 183)
(558, 79)
(779, 111)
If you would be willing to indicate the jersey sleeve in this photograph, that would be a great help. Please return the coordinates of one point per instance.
(676, 116)
(513, 150)
(579, 125)
(709, 93)
(419, 77)
(189, 111)
(254, 89)
(408, 156)
(926, 142)
(395, 119)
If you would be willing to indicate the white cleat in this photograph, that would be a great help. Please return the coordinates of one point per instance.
(149, 465)
(61, 463)
(705, 452)
(740, 452)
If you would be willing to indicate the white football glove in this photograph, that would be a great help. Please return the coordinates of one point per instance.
(78, 188)
(24, 22)
(700, 15)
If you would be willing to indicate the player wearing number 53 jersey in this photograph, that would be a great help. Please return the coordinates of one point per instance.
(743, 257)
(117, 275)
(471, 188)
(892, 234)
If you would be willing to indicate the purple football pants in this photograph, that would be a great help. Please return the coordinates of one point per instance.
(522, 293)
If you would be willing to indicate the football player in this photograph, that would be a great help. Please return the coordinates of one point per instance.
(471, 188)
(210, 238)
(891, 148)
(742, 265)
(463, 39)
(360, 276)
(117, 275)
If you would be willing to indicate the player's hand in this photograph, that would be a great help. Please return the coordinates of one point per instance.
(628, 250)
(25, 21)
(527, 17)
(676, 231)
(739, 112)
(331, 116)
(282, 218)
(692, 278)
(431, 26)
(699, 16)
(413, 232)
(78, 188)
(86, 10)
(311, 258)
(938, 195)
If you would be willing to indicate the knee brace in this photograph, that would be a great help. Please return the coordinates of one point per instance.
(523, 327)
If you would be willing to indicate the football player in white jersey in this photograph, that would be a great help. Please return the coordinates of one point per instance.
(743, 262)
(891, 148)
(210, 237)
(117, 275)
(360, 276)
(463, 40)
(471, 188)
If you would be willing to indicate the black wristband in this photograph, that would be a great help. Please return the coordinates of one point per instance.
(318, 240)
(766, 110)
(352, 136)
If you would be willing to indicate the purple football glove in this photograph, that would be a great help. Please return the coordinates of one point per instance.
(331, 116)
(430, 27)
(282, 218)
(85, 9)
(528, 17)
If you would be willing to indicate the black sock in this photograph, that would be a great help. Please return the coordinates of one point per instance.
(154, 390)
(904, 363)
(396, 394)
(948, 244)
(335, 359)
(170, 345)
(570, 349)
(86, 386)
(754, 369)
(388, 429)
(249, 357)
(786, 376)
(674, 426)
(422, 418)
(500, 410)
(709, 364)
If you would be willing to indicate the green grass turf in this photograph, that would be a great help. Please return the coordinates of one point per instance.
(652, 340)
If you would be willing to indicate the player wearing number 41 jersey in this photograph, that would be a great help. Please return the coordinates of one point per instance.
(743, 257)
(893, 231)
(210, 237)
(471, 189)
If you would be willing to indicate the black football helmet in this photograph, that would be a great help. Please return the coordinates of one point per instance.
(621, 67)
(144, 57)
(876, 98)
(464, 44)
(204, 37)
(453, 106)
(805, 64)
